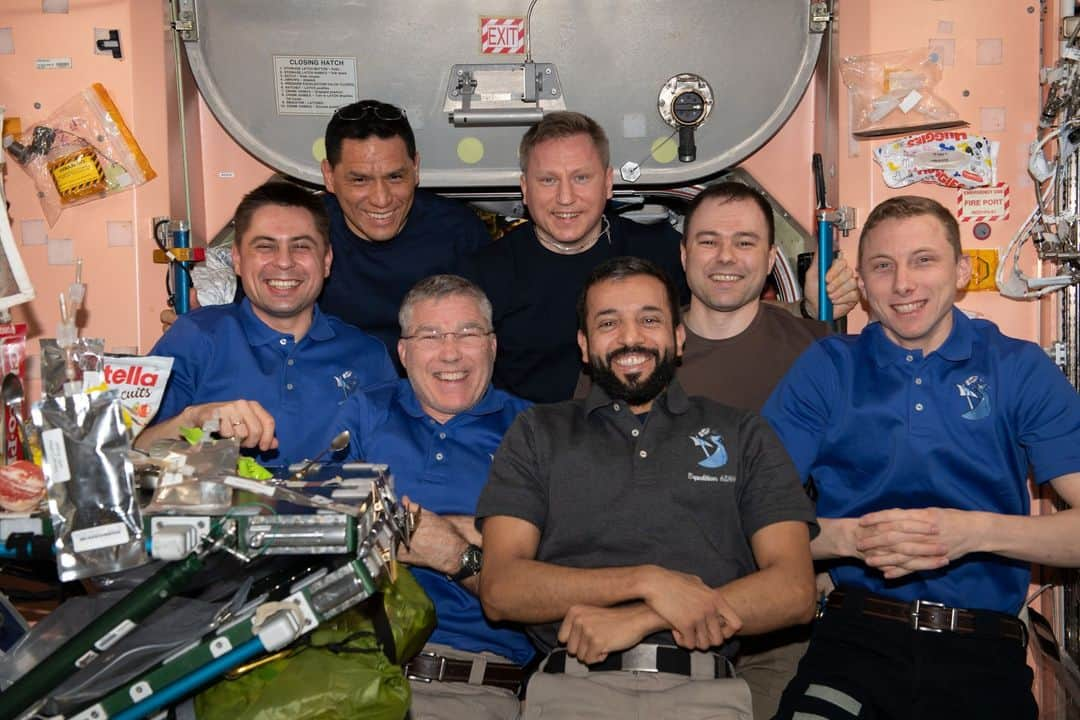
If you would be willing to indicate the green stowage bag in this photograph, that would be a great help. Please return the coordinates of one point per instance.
(349, 669)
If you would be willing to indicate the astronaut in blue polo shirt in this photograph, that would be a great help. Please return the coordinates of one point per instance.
(919, 435)
(438, 431)
(269, 367)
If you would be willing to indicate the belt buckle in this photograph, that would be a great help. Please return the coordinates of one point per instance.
(640, 658)
(433, 656)
(918, 606)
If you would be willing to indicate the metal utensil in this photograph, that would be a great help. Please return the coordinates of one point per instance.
(339, 442)
(11, 391)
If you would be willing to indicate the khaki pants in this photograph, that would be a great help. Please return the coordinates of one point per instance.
(768, 663)
(461, 701)
(632, 694)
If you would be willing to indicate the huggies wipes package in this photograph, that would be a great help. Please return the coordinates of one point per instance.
(950, 158)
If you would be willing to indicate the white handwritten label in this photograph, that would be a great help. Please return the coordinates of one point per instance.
(99, 537)
(56, 459)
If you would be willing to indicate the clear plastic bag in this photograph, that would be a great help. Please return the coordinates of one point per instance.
(893, 93)
(82, 152)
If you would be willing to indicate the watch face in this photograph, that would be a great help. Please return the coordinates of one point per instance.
(471, 558)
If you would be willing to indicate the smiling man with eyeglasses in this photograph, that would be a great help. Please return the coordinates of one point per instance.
(438, 431)
(385, 232)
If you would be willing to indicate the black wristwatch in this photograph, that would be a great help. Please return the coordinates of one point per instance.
(471, 558)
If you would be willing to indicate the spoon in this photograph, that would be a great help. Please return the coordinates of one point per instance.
(12, 394)
(340, 442)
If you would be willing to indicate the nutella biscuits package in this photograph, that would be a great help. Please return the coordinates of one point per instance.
(141, 381)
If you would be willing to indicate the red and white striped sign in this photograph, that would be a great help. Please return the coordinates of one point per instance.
(986, 204)
(502, 35)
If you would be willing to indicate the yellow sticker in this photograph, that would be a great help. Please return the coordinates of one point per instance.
(984, 263)
(318, 150)
(76, 171)
(665, 149)
(470, 150)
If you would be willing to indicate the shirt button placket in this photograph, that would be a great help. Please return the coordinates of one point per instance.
(919, 419)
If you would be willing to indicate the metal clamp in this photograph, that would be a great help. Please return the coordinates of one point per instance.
(919, 604)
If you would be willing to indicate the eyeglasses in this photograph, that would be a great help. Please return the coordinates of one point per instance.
(382, 111)
(467, 338)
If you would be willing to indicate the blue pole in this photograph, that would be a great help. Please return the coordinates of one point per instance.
(825, 235)
(181, 276)
(180, 689)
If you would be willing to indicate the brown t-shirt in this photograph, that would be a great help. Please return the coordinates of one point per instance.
(742, 371)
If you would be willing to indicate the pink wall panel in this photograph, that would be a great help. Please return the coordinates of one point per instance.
(112, 273)
(1011, 85)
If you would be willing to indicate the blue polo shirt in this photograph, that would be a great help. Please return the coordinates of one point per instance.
(224, 352)
(368, 280)
(443, 467)
(877, 426)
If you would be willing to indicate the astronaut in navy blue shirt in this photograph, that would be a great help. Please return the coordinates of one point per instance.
(437, 431)
(269, 366)
(386, 233)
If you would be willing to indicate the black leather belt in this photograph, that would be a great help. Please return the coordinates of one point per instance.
(429, 667)
(930, 616)
(645, 658)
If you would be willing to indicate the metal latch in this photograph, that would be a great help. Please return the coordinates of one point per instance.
(186, 22)
(820, 17)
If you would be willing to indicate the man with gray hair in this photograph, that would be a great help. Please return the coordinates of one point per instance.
(438, 430)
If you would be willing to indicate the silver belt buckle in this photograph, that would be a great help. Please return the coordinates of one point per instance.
(918, 606)
(640, 658)
(441, 673)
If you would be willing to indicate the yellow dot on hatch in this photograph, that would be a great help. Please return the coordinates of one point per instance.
(470, 150)
(318, 150)
(664, 149)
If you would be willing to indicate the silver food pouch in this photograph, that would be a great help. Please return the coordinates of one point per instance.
(65, 371)
(95, 516)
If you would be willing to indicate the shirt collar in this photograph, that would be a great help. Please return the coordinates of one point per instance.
(490, 402)
(956, 348)
(259, 333)
(673, 398)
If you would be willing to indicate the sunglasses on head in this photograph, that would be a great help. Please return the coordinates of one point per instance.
(382, 111)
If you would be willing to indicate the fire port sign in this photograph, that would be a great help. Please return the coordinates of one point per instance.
(986, 204)
(502, 35)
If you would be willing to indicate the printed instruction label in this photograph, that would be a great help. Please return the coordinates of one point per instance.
(56, 459)
(57, 63)
(983, 204)
(102, 536)
(314, 84)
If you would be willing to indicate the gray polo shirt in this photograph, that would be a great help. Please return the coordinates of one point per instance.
(686, 490)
